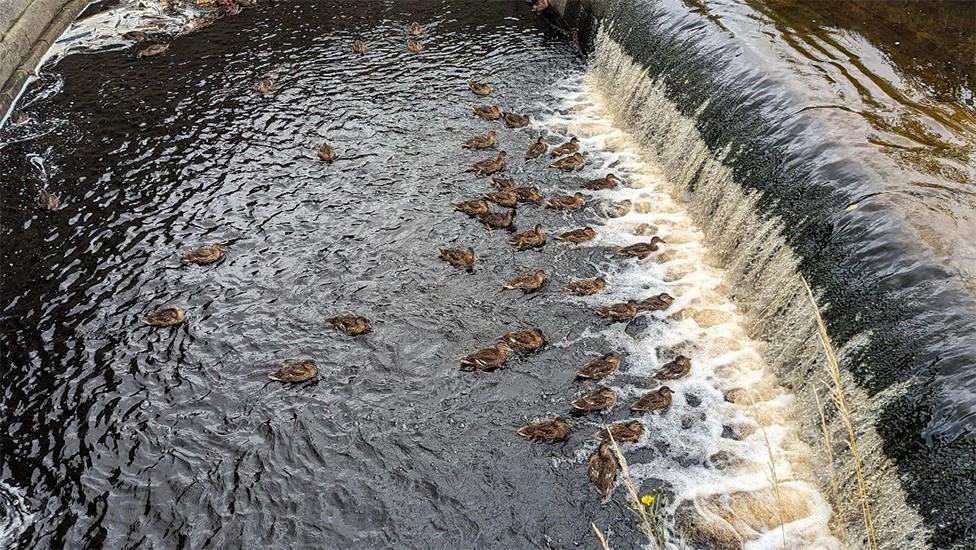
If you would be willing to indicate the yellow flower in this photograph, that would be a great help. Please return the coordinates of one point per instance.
(647, 500)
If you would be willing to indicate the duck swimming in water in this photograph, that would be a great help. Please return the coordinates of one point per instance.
(327, 153)
(264, 85)
(478, 88)
(503, 184)
(415, 29)
(135, 36)
(618, 209)
(600, 367)
(578, 236)
(568, 148)
(359, 47)
(628, 431)
(154, 50)
(524, 340)
(293, 372)
(675, 369)
(528, 282)
(602, 470)
(548, 430)
(497, 220)
(458, 257)
(48, 200)
(353, 325)
(586, 287)
(529, 194)
(660, 302)
(414, 46)
(570, 163)
(486, 141)
(599, 399)
(566, 202)
(166, 317)
(508, 199)
(620, 312)
(488, 358)
(537, 149)
(490, 166)
(515, 120)
(488, 112)
(473, 208)
(609, 181)
(533, 238)
(641, 250)
(540, 6)
(204, 255)
(656, 400)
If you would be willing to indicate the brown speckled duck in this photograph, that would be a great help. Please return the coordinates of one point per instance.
(48, 200)
(353, 325)
(609, 181)
(154, 50)
(602, 469)
(627, 431)
(570, 163)
(566, 202)
(527, 282)
(600, 367)
(490, 166)
(537, 149)
(640, 250)
(515, 120)
(264, 85)
(568, 148)
(488, 358)
(586, 287)
(488, 112)
(135, 36)
(624, 311)
(458, 257)
(548, 430)
(473, 208)
(497, 220)
(533, 238)
(655, 400)
(508, 198)
(204, 255)
(166, 317)
(678, 368)
(578, 236)
(414, 46)
(327, 153)
(359, 47)
(618, 209)
(529, 194)
(415, 29)
(293, 372)
(486, 141)
(479, 88)
(660, 302)
(524, 340)
(599, 399)
(503, 184)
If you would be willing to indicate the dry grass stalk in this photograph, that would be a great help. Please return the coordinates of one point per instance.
(774, 478)
(599, 535)
(828, 447)
(833, 369)
(646, 525)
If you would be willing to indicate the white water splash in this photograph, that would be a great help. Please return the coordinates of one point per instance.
(15, 515)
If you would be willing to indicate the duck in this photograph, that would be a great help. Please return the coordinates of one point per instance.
(497, 220)
(351, 324)
(293, 372)
(488, 358)
(533, 238)
(524, 340)
(327, 153)
(624, 311)
(264, 85)
(609, 181)
(627, 431)
(577, 236)
(547, 430)
(515, 120)
(479, 88)
(414, 46)
(490, 166)
(540, 6)
(503, 184)
(602, 470)
(19, 117)
(570, 163)
(655, 400)
(415, 29)
(641, 250)
(599, 399)
(567, 148)
(205, 255)
(527, 282)
(359, 47)
(586, 287)
(458, 257)
(154, 50)
(618, 209)
(660, 302)
(566, 202)
(537, 149)
(486, 141)
(166, 317)
(508, 199)
(529, 194)
(677, 368)
(488, 112)
(135, 36)
(48, 200)
(600, 367)
(473, 207)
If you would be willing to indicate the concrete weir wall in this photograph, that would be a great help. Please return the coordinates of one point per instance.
(29, 27)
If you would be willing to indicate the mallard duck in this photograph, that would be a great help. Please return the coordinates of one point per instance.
(264, 85)
(359, 47)
(503, 184)
(490, 166)
(415, 29)
(135, 36)
(620, 311)
(48, 200)
(528, 282)
(414, 46)
(640, 250)
(540, 6)
(205, 255)
(353, 325)
(609, 181)
(458, 257)
(537, 149)
(548, 430)
(656, 400)
(293, 372)
(618, 209)
(586, 287)
(488, 358)
(19, 117)
(515, 120)
(529, 194)
(508, 199)
(152, 51)
(599, 399)
(660, 302)
(497, 220)
(533, 238)
(486, 141)
(599, 367)
(479, 88)
(566, 202)
(473, 207)
(327, 153)
(567, 148)
(570, 163)
(524, 340)
(166, 317)
(488, 112)
(577, 236)
(628, 431)
(602, 470)
(675, 369)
